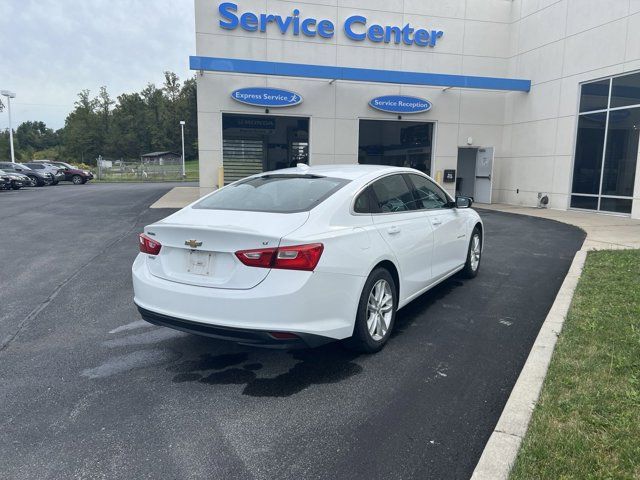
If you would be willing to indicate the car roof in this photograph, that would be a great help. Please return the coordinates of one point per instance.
(346, 171)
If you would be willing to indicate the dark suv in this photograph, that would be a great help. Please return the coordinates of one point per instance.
(39, 179)
(71, 173)
(58, 174)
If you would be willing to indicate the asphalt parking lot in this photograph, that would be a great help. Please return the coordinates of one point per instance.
(88, 390)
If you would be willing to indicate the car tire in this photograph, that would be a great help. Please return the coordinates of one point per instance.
(474, 255)
(16, 187)
(55, 182)
(375, 318)
(77, 180)
(37, 181)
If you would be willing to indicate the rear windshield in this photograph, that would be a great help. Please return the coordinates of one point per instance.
(274, 193)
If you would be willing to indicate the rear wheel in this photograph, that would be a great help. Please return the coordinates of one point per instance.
(376, 313)
(77, 180)
(474, 254)
(37, 182)
(16, 187)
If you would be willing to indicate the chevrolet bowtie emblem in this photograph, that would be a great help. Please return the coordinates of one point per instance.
(193, 243)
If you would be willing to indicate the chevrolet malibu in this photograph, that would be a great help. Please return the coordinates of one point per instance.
(304, 256)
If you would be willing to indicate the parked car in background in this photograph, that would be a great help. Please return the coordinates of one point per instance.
(5, 181)
(58, 174)
(39, 179)
(15, 180)
(71, 173)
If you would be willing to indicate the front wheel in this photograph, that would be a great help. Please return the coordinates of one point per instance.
(77, 180)
(16, 187)
(474, 255)
(376, 313)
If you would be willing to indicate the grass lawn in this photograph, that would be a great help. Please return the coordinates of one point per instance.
(192, 169)
(587, 421)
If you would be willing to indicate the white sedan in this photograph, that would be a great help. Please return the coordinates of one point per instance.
(306, 255)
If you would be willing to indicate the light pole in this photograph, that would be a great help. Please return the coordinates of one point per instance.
(9, 95)
(182, 122)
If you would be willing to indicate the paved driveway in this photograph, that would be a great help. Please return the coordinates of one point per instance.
(87, 390)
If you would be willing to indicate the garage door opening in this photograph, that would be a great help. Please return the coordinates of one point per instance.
(258, 143)
(396, 143)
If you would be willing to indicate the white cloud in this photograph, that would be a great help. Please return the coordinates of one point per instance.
(52, 49)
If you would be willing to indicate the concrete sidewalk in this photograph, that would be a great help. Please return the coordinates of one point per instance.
(604, 232)
(180, 197)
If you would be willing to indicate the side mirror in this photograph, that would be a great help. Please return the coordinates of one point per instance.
(463, 202)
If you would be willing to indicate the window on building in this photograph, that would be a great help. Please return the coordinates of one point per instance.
(396, 142)
(606, 154)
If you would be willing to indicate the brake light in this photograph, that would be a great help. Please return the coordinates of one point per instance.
(297, 257)
(149, 245)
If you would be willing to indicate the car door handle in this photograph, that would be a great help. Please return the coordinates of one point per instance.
(393, 230)
(436, 222)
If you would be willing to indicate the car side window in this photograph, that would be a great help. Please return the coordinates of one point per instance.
(392, 194)
(364, 202)
(427, 193)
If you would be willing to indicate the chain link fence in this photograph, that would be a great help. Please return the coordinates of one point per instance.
(143, 170)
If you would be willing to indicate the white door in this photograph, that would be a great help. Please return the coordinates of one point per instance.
(449, 238)
(406, 231)
(484, 174)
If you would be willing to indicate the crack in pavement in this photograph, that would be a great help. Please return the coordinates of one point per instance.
(56, 291)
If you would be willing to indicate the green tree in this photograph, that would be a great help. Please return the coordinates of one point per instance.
(82, 135)
(127, 127)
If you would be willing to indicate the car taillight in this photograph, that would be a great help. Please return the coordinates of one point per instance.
(297, 257)
(149, 245)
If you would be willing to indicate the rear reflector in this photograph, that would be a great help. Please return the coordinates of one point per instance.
(297, 257)
(283, 335)
(149, 245)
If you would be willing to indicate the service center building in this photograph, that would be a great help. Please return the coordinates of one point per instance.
(506, 101)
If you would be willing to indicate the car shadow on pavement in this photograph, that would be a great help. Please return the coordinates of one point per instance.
(328, 364)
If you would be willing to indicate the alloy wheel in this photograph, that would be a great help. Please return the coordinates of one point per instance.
(379, 310)
(476, 250)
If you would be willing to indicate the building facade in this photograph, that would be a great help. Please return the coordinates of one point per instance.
(505, 100)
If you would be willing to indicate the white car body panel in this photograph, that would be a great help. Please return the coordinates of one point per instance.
(424, 246)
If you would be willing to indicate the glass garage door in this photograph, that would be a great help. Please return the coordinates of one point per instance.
(606, 154)
(257, 143)
(399, 143)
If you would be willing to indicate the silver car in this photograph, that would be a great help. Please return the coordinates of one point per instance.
(56, 173)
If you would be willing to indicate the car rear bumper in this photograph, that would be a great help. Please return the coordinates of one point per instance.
(307, 304)
(257, 338)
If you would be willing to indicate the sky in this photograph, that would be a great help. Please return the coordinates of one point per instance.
(52, 49)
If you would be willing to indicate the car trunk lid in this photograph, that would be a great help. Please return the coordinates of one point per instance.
(199, 245)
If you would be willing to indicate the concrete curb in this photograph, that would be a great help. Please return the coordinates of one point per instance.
(502, 448)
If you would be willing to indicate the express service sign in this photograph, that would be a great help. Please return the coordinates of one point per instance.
(400, 104)
(266, 97)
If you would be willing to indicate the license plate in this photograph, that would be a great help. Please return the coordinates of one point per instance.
(199, 263)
